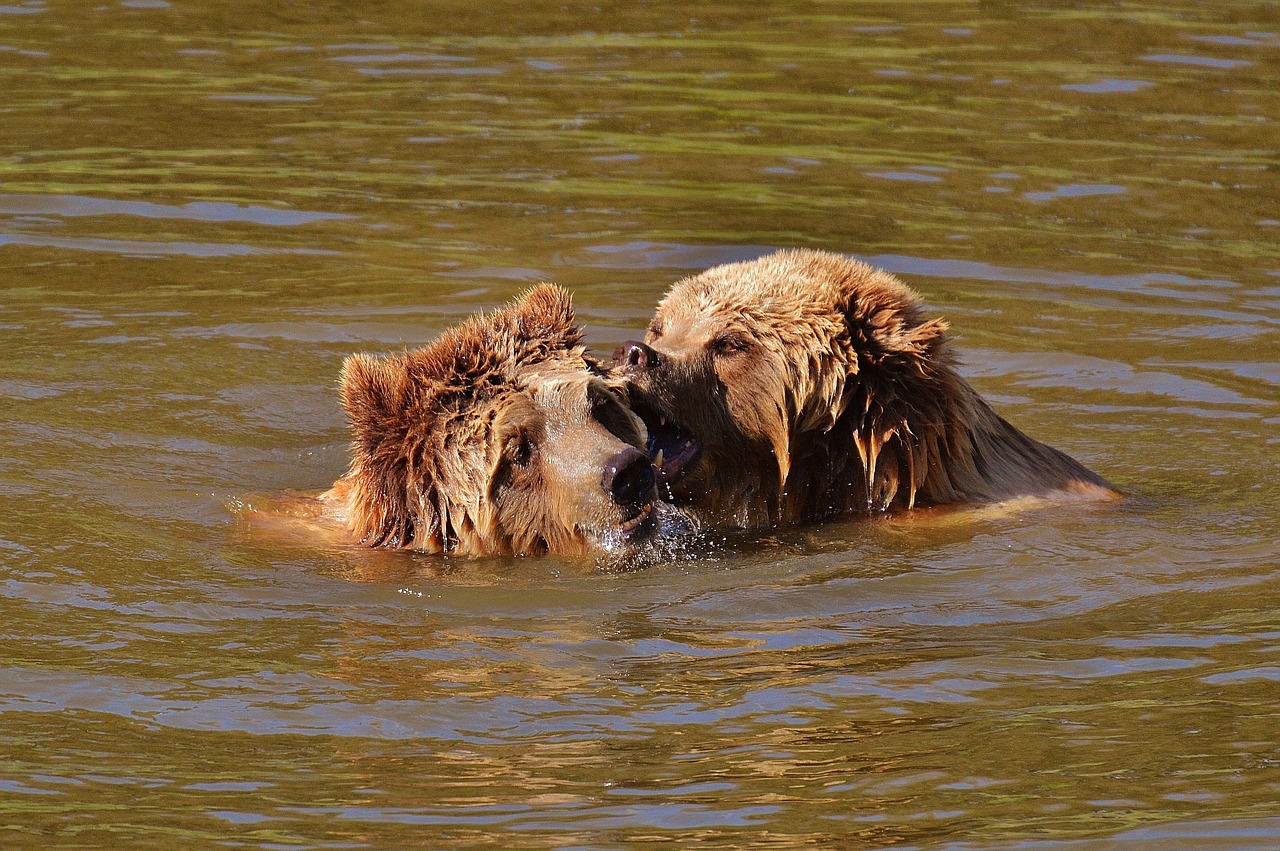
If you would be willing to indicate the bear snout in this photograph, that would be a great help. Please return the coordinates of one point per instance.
(629, 478)
(634, 354)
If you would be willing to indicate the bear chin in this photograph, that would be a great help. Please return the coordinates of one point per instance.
(657, 523)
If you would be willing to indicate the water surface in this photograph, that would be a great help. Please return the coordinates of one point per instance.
(204, 206)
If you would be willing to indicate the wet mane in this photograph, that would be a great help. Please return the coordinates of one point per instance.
(909, 429)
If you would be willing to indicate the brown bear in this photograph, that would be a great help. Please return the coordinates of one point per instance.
(806, 385)
(501, 438)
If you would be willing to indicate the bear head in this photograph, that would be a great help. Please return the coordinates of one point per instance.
(806, 384)
(500, 438)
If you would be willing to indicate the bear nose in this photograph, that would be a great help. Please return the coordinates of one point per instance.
(629, 478)
(634, 353)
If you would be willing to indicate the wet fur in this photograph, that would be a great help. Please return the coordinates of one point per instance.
(452, 450)
(819, 388)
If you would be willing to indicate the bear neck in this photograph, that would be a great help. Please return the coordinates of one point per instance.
(914, 441)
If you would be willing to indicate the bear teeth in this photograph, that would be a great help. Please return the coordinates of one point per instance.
(634, 522)
(657, 459)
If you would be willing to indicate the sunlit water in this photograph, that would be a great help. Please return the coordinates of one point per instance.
(205, 206)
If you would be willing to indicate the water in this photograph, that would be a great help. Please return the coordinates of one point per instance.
(205, 206)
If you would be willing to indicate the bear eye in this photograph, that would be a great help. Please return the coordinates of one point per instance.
(654, 330)
(729, 344)
(518, 449)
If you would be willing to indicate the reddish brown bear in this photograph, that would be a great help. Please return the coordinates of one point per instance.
(806, 385)
(501, 438)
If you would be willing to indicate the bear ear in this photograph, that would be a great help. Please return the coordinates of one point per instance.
(535, 327)
(375, 395)
(542, 321)
(546, 310)
(886, 321)
(907, 336)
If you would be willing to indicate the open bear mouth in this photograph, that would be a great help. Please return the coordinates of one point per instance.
(641, 525)
(652, 523)
(671, 448)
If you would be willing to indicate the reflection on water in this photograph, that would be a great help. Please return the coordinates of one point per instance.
(203, 209)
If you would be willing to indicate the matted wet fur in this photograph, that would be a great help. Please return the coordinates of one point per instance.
(500, 438)
(805, 385)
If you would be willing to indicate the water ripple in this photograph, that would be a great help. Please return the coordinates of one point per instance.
(1201, 61)
(197, 211)
(141, 248)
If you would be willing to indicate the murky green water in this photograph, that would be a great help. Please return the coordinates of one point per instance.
(205, 205)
